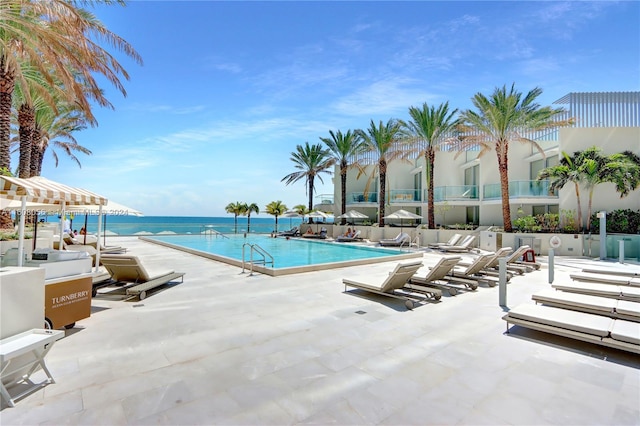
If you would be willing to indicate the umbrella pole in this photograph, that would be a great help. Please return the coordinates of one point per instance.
(104, 229)
(85, 229)
(35, 230)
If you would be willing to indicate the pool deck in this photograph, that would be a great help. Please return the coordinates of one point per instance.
(232, 349)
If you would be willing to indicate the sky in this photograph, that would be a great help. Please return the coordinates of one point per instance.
(229, 89)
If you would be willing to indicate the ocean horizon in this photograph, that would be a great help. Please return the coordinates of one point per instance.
(137, 225)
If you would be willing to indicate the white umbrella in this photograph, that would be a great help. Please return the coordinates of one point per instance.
(402, 215)
(353, 214)
(317, 215)
(291, 214)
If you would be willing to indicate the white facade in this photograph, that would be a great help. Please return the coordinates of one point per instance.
(467, 187)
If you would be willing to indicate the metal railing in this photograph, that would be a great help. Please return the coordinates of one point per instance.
(255, 248)
(209, 230)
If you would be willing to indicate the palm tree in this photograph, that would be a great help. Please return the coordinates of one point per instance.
(311, 161)
(344, 147)
(248, 209)
(235, 209)
(428, 127)
(380, 140)
(505, 117)
(301, 209)
(276, 208)
(60, 47)
(565, 172)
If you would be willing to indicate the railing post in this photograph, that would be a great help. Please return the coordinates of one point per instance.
(551, 265)
(603, 234)
(621, 251)
(502, 284)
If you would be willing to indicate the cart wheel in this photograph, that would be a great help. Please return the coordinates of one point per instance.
(94, 292)
(474, 287)
(70, 326)
(453, 291)
(437, 296)
(143, 294)
(48, 325)
(491, 283)
(409, 304)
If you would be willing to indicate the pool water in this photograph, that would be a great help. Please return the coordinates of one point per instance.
(287, 253)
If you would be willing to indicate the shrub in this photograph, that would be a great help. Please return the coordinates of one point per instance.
(625, 221)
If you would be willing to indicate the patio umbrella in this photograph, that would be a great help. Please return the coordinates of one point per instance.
(353, 214)
(317, 215)
(291, 214)
(403, 215)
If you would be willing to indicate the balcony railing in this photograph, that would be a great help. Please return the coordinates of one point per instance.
(455, 193)
(405, 196)
(520, 189)
(361, 197)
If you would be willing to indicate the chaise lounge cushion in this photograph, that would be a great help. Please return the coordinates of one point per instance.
(626, 331)
(570, 320)
(585, 301)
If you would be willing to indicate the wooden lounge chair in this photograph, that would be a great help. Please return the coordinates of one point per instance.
(619, 292)
(400, 240)
(129, 269)
(455, 238)
(396, 285)
(492, 266)
(622, 309)
(606, 278)
(464, 246)
(439, 276)
(601, 330)
(476, 270)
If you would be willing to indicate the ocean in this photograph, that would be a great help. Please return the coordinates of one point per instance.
(137, 225)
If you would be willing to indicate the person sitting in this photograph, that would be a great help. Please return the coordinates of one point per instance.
(83, 231)
(323, 232)
(309, 231)
(348, 233)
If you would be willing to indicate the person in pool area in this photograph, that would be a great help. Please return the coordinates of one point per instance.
(348, 233)
(309, 231)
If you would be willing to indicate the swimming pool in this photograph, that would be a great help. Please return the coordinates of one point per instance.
(290, 256)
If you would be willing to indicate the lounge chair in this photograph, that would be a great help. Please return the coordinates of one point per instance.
(345, 239)
(620, 292)
(129, 269)
(401, 239)
(476, 270)
(625, 273)
(601, 330)
(396, 285)
(455, 238)
(290, 233)
(439, 276)
(492, 266)
(619, 309)
(514, 263)
(606, 279)
(464, 246)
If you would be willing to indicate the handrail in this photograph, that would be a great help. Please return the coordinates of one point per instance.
(259, 250)
(208, 229)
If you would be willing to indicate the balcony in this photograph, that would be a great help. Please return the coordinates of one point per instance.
(455, 193)
(399, 196)
(360, 197)
(520, 189)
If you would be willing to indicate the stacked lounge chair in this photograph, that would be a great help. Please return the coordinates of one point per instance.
(396, 285)
(455, 238)
(464, 246)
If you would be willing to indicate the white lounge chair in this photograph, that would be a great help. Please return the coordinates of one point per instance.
(455, 238)
(625, 273)
(601, 330)
(129, 269)
(606, 278)
(439, 276)
(464, 246)
(345, 239)
(395, 284)
(620, 292)
(400, 240)
(622, 309)
(476, 270)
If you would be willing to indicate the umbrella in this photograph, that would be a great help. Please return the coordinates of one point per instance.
(291, 214)
(353, 214)
(402, 215)
(317, 215)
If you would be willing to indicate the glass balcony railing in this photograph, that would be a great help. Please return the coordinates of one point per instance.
(404, 196)
(455, 193)
(520, 189)
(361, 197)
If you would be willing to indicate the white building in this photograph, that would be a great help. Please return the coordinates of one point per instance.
(467, 188)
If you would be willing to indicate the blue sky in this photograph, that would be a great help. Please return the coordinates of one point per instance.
(228, 89)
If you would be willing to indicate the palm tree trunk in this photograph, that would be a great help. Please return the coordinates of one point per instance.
(343, 190)
(589, 209)
(431, 156)
(235, 224)
(7, 83)
(504, 188)
(248, 222)
(382, 165)
(35, 152)
(579, 206)
(311, 179)
(26, 121)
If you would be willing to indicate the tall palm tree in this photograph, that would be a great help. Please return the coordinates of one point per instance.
(301, 209)
(311, 161)
(60, 41)
(567, 171)
(428, 127)
(248, 209)
(380, 140)
(504, 117)
(276, 208)
(345, 148)
(235, 209)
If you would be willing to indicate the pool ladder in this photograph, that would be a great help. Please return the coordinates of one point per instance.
(208, 230)
(255, 248)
